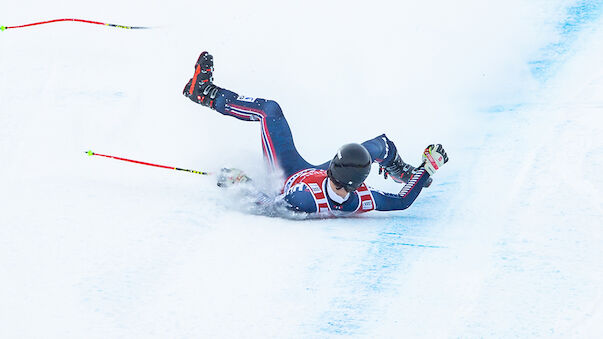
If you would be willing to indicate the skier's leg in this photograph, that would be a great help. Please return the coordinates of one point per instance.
(277, 141)
(381, 149)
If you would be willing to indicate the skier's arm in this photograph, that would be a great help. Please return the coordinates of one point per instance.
(434, 157)
(299, 201)
(393, 202)
(296, 200)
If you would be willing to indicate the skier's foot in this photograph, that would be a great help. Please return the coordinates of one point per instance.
(200, 88)
(400, 171)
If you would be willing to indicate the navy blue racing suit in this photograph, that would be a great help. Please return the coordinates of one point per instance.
(281, 154)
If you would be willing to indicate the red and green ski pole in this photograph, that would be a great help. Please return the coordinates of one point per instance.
(3, 28)
(90, 153)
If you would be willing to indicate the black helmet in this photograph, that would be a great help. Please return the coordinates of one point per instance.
(350, 166)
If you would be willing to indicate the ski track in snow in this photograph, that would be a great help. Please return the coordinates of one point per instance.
(506, 243)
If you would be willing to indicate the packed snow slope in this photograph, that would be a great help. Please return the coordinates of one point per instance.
(506, 243)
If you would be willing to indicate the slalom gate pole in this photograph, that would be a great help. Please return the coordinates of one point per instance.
(90, 153)
(3, 28)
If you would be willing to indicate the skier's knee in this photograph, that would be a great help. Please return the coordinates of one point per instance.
(272, 108)
(383, 137)
(390, 149)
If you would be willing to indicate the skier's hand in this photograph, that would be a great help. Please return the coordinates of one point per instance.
(434, 157)
(231, 176)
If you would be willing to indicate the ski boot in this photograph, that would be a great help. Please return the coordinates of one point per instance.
(400, 171)
(200, 88)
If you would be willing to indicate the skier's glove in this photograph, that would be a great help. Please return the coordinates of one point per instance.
(231, 176)
(434, 157)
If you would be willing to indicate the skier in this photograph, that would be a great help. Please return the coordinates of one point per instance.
(334, 188)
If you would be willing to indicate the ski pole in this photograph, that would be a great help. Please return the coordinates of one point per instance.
(90, 153)
(3, 28)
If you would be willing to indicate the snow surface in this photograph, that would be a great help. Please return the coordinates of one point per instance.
(506, 243)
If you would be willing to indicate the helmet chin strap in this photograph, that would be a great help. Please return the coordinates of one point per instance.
(333, 195)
